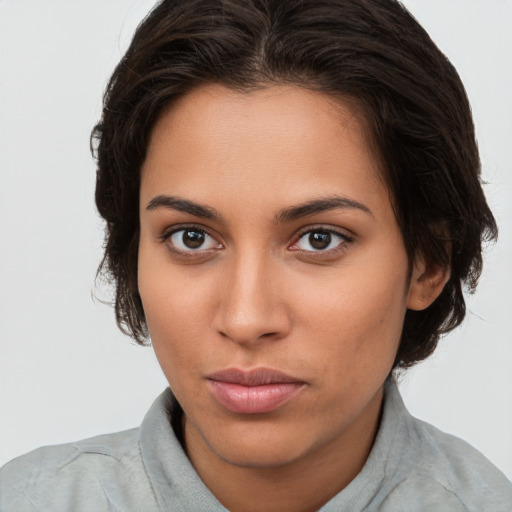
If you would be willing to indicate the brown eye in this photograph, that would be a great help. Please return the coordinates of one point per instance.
(191, 240)
(321, 240)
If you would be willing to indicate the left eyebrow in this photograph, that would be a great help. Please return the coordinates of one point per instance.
(318, 206)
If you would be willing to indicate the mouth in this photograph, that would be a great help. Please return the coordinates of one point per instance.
(255, 391)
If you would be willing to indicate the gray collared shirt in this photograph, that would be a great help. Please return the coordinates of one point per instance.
(412, 467)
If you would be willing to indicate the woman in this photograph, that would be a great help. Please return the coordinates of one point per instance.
(293, 205)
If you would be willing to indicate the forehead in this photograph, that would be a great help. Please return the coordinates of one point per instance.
(276, 142)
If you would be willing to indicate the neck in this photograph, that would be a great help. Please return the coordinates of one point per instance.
(301, 485)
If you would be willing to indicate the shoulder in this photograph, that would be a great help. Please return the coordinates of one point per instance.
(66, 477)
(452, 475)
(424, 468)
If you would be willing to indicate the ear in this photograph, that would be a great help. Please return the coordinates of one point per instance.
(426, 285)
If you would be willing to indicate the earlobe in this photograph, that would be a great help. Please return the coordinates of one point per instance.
(426, 285)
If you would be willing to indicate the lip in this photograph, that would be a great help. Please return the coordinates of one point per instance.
(253, 391)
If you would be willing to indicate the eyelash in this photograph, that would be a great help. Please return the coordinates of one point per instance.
(346, 240)
(165, 238)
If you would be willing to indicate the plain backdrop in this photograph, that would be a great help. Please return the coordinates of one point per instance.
(66, 372)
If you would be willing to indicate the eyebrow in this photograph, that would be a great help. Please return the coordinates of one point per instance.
(312, 207)
(320, 205)
(183, 205)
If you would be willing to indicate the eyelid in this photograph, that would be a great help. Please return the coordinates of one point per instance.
(170, 231)
(347, 239)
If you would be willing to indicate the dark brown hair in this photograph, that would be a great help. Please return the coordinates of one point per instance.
(371, 52)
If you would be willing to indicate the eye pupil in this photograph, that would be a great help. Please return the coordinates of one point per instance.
(319, 240)
(193, 239)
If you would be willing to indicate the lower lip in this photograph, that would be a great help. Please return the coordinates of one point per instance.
(254, 399)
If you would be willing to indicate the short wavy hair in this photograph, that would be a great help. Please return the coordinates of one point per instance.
(372, 53)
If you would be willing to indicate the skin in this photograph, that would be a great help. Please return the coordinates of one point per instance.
(256, 293)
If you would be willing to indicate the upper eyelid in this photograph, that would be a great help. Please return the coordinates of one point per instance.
(336, 231)
(170, 230)
(345, 243)
(165, 238)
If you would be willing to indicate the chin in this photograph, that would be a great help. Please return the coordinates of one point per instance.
(257, 447)
(270, 458)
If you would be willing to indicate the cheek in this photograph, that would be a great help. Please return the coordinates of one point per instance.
(178, 311)
(171, 314)
(170, 298)
(358, 316)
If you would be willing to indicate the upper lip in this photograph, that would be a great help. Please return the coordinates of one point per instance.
(253, 377)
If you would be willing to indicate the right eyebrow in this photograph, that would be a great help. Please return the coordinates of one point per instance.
(183, 205)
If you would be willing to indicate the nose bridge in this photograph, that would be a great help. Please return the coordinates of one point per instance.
(251, 305)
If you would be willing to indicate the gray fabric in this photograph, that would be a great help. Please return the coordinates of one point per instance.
(412, 467)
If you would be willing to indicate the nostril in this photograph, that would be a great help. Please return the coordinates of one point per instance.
(250, 308)
(249, 334)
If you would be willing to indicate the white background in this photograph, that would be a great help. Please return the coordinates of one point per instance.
(65, 371)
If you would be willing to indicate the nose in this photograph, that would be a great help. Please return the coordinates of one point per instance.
(252, 307)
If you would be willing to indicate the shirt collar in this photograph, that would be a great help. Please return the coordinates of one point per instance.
(177, 486)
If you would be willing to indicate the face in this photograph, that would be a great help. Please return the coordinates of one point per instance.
(272, 272)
